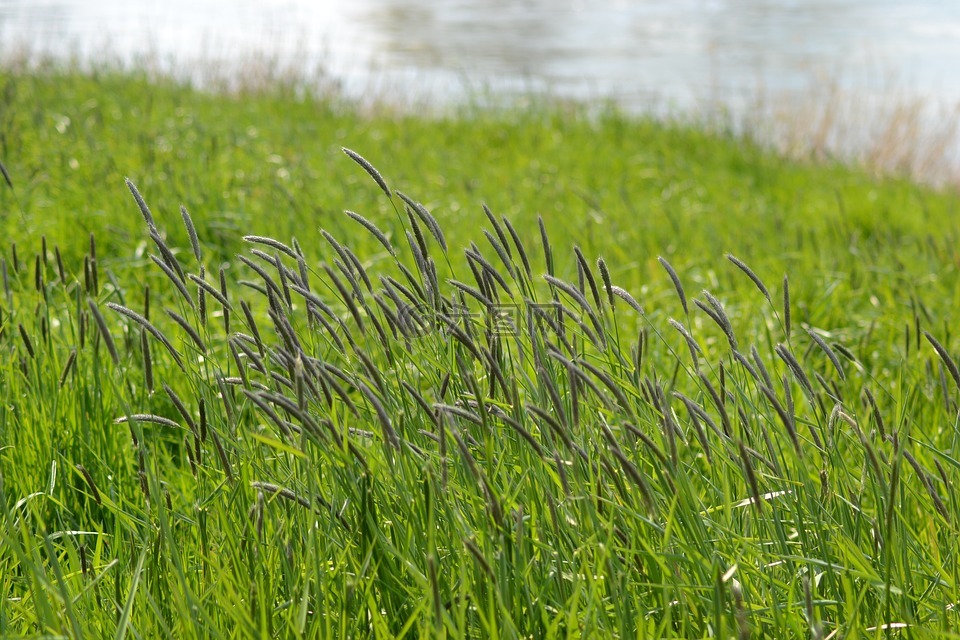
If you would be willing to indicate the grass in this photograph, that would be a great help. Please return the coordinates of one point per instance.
(665, 385)
(901, 133)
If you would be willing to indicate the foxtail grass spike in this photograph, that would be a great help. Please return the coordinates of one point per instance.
(875, 410)
(90, 483)
(144, 210)
(791, 361)
(945, 357)
(786, 306)
(102, 326)
(828, 352)
(374, 231)
(37, 274)
(67, 367)
(605, 278)
(369, 168)
(588, 276)
(190, 331)
(166, 253)
(6, 176)
(501, 252)
(191, 233)
(755, 498)
(147, 360)
(147, 417)
(750, 274)
(27, 343)
(143, 322)
(273, 244)
(545, 241)
(59, 260)
(691, 343)
(211, 291)
(432, 225)
(172, 276)
(515, 237)
(676, 283)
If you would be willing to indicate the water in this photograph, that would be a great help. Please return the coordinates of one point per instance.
(738, 55)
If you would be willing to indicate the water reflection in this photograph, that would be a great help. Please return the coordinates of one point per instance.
(685, 50)
(644, 53)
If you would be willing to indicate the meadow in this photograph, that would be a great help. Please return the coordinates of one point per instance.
(276, 364)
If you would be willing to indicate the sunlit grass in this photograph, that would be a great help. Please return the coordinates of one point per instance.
(426, 419)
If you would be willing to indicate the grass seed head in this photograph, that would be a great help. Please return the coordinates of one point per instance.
(369, 168)
(677, 285)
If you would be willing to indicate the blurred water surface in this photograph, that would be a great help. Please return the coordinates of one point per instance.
(637, 51)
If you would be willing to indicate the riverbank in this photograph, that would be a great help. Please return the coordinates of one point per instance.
(264, 157)
(371, 426)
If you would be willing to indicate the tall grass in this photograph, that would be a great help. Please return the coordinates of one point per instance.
(410, 423)
(404, 458)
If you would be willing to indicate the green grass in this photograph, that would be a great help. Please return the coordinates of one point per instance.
(377, 451)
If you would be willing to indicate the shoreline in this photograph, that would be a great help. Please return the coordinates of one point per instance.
(893, 132)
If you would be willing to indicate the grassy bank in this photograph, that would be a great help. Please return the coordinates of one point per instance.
(576, 414)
